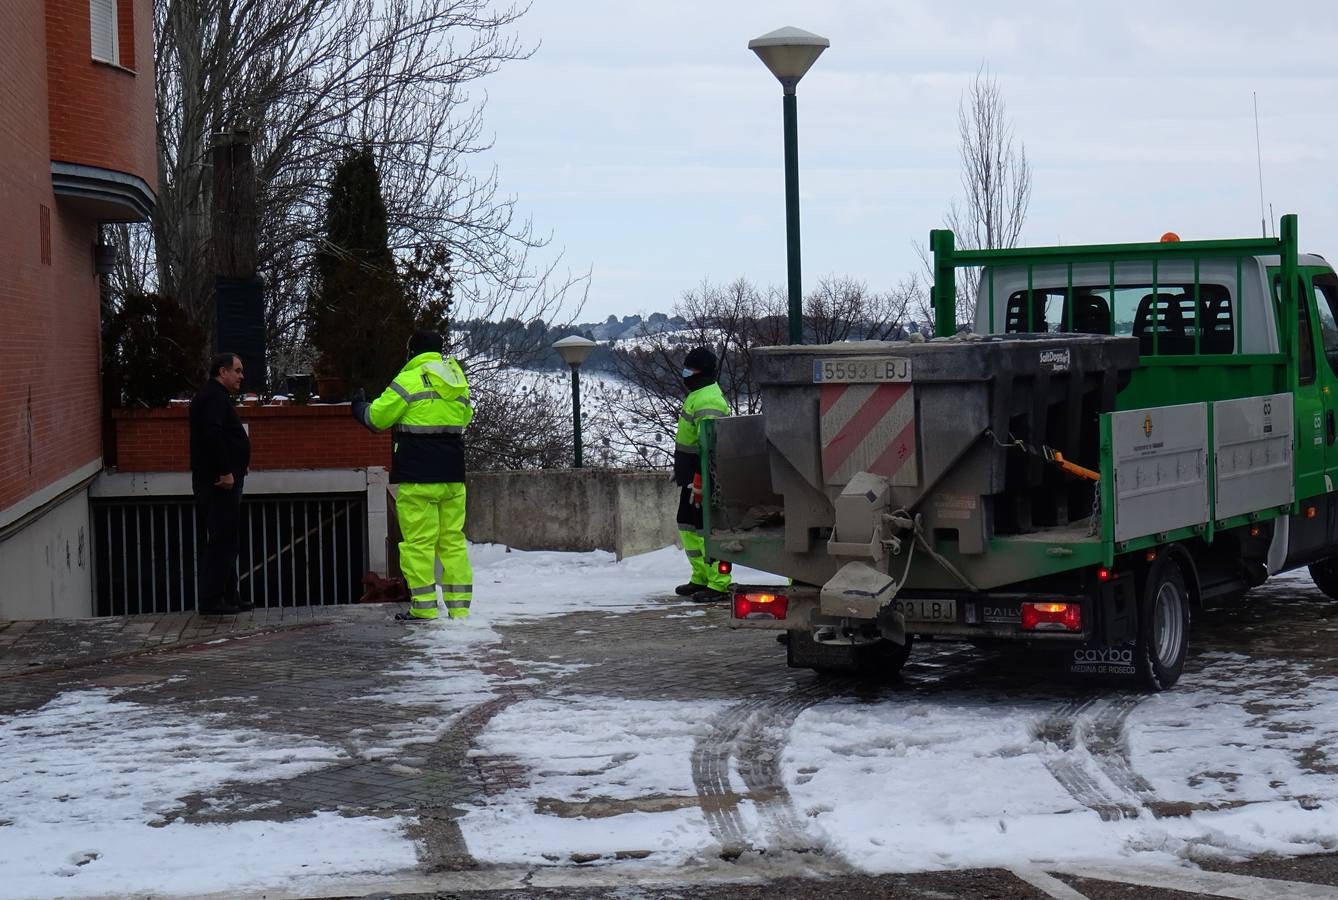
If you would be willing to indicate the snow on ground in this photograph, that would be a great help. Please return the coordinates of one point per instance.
(1243, 748)
(594, 752)
(971, 783)
(88, 788)
(91, 782)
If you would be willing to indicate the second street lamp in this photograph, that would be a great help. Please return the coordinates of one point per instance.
(574, 350)
(788, 53)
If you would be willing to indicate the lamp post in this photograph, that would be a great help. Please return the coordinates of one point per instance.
(788, 53)
(574, 350)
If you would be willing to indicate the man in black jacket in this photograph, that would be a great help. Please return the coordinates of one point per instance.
(220, 454)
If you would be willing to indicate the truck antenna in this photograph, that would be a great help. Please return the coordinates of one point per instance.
(1259, 158)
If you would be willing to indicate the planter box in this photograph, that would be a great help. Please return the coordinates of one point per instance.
(282, 437)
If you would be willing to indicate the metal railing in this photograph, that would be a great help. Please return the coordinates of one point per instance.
(294, 551)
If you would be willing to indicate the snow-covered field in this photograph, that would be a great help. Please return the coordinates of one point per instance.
(1236, 761)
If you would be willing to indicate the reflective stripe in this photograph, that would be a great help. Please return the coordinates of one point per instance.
(466, 401)
(457, 588)
(400, 389)
(420, 591)
(692, 554)
(430, 429)
(707, 414)
(457, 604)
(423, 604)
(687, 448)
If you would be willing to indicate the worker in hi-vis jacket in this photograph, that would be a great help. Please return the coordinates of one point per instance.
(427, 409)
(704, 401)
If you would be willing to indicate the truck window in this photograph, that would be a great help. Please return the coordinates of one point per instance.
(1326, 304)
(1169, 313)
(1305, 364)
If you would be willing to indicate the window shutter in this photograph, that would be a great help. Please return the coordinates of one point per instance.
(102, 20)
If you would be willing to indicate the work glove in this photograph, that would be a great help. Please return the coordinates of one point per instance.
(359, 408)
(697, 490)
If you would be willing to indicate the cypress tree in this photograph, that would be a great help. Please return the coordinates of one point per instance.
(359, 316)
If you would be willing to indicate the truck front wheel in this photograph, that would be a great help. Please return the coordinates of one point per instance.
(1325, 575)
(1163, 626)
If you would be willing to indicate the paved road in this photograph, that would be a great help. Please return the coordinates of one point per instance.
(326, 676)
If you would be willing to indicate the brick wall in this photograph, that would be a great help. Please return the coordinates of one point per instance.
(87, 113)
(48, 310)
(282, 437)
(101, 115)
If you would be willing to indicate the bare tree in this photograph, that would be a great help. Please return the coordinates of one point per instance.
(733, 320)
(307, 78)
(995, 175)
(996, 181)
(841, 309)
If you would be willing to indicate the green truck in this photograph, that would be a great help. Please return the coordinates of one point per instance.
(1125, 433)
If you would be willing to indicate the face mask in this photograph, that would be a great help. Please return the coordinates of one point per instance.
(688, 373)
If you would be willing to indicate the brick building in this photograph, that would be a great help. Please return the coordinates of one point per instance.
(77, 148)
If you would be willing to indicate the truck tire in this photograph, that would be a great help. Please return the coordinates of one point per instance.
(1163, 626)
(1325, 575)
(879, 659)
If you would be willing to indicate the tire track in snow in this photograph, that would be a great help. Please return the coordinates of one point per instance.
(753, 734)
(1077, 736)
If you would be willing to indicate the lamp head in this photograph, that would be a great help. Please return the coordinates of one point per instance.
(788, 53)
(574, 349)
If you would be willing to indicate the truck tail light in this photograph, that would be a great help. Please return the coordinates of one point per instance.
(1051, 617)
(724, 567)
(756, 605)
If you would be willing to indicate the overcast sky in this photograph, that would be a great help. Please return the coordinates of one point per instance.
(646, 137)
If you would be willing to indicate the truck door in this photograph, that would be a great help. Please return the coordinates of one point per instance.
(1315, 530)
(1323, 302)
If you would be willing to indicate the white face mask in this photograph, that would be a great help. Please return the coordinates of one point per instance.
(688, 373)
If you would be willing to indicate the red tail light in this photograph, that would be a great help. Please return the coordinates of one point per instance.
(1051, 617)
(724, 567)
(760, 606)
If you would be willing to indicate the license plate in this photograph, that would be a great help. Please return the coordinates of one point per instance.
(861, 369)
(927, 610)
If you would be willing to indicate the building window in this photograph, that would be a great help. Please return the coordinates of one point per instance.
(44, 232)
(105, 27)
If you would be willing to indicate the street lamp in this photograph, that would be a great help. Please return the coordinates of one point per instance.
(574, 350)
(788, 53)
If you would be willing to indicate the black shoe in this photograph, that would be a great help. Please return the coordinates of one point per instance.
(405, 617)
(710, 595)
(687, 590)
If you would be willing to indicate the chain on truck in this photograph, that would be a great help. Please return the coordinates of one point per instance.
(1125, 433)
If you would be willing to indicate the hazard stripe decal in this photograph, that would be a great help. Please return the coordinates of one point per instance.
(868, 428)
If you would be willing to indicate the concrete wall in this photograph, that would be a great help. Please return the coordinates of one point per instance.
(625, 512)
(47, 566)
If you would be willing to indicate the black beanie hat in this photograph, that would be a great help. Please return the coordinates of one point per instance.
(424, 341)
(701, 359)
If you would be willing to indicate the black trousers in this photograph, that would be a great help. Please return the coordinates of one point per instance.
(218, 514)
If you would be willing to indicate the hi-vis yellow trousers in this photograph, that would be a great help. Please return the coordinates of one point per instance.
(432, 522)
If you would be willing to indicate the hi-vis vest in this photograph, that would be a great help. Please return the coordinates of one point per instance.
(427, 407)
(704, 403)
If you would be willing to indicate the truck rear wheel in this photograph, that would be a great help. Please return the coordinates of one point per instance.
(877, 659)
(1163, 626)
(1325, 575)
